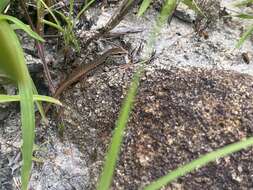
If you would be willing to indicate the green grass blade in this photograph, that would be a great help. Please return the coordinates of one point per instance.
(114, 149)
(28, 127)
(144, 6)
(85, 8)
(243, 16)
(167, 11)
(65, 18)
(22, 26)
(203, 160)
(12, 64)
(50, 12)
(193, 5)
(7, 98)
(15, 98)
(243, 3)
(56, 26)
(10, 56)
(71, 8)
(244, 37)
(38, 103)
(3, 5)
(46, 99)
(69, 22)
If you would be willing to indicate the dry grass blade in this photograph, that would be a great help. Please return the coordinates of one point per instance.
(117, 17)
(12, 65)
(203, 160)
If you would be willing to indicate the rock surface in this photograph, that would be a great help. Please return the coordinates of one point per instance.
(179, 114)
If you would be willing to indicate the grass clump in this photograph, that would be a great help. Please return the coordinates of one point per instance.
(13, 67)
(249, 31)
(67, 31)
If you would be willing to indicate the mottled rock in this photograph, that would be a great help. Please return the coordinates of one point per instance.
(179, 114)
(5, 173)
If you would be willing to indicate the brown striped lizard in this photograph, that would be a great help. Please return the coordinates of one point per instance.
(79, 72)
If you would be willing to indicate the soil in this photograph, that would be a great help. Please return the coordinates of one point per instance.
(194, 97)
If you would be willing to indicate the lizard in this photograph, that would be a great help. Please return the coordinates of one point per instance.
(80, 71)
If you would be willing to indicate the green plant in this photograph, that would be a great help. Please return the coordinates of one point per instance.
(244, 3)
(200, 162)
(68, 30)
(13, 67)
(3, 5)
(114, 148)
(190, 3)
(249, 31)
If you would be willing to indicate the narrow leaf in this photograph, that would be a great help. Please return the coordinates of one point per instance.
(114, 148)
(243, 16)
(3, 5)
(144, 6)
(203, 160)
(194, 6)
(12, 63)
(49, 23)
(71, 8)
(50, 12)
(38, 103)
(15, 98)
(65, 18)
(28, 127)
(167, 11)
(243, 3)
(84, 9)
(22, 26)
(39, 160)
(113, 152)
(244, 37)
